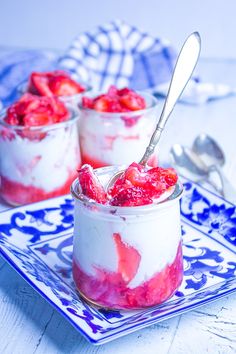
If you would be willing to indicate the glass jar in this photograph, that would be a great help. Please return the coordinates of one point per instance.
(117, 138)
(126, 257)
(38, 162)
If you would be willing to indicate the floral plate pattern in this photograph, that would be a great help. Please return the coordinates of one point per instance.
(36, 240)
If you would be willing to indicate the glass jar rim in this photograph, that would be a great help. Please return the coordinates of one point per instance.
(176, 195)
(114, 115)
(73, 118)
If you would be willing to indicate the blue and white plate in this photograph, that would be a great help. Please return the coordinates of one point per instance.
(36, 240)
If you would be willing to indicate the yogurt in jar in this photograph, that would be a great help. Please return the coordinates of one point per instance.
(39, 161)
(114, 133)
(126, 257)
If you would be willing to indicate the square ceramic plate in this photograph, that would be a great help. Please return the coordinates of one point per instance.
(36, 240)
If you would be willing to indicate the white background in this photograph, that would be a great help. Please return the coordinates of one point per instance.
(54, 23)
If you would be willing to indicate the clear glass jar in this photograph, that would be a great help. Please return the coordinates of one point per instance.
(126, 257)
(38, 163)
(117, 138)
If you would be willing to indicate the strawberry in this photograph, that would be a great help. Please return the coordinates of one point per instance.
(101, 104)
(112, 91)
(33, 110)
(36, 119)
(90, 185)
(64, 86)
(87, 102)
(134, 196)
(136, 186)
(117, 101)
(38, 84)
(133, 102)
(54, 83)
(128, 258)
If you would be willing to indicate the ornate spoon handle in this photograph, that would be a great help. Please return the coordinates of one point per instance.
(183, 70)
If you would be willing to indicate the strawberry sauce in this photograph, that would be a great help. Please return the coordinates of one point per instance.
(18, 194)
(112, 289)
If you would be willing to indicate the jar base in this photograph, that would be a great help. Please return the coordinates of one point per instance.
(107, 308)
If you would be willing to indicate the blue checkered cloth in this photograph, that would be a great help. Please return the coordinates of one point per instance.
(122, 55)
(15, 68)
(119, 54)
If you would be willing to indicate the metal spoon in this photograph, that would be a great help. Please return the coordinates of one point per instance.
(184, 67)
(189, 163)
(213, 156)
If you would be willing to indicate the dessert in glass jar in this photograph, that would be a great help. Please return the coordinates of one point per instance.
(39, 149)
(127, 251)
(56, 83)
(116, 127)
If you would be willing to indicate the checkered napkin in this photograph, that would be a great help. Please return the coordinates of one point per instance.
(122, 55)
(15, 68)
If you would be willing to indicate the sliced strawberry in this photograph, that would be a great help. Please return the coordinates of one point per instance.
(54, 83)
(64, 86)
(129, 121)
(164, 175)
(134, 196)
(12, 117)
(60, 112)
(112, 91)
(131, 177)
(36, 119)
(124, 91)
(133, 102)
(38, 84)
(87, 102)
(124, 100)
(136, 186)
(90, 185)
(102, 104)
(128, 258)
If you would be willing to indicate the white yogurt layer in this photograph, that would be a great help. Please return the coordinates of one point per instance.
(45, 164)
(155, 236)
(110, 141)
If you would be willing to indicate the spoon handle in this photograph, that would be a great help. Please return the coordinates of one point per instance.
(228, 191)
(183, 70)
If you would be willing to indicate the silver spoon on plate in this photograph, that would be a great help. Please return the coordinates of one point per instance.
(183, 70)
(190, 165)
(213, 156)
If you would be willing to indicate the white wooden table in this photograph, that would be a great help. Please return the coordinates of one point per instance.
(28, 324)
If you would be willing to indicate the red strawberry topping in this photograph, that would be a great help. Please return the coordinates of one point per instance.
(90, 185)
(134, 187)
(32, 110)
(54, 83)
(124, 100)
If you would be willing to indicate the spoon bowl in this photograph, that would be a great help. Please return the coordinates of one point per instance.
(209, 149)
(191, 165)
(213, 156)
(185, 158)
